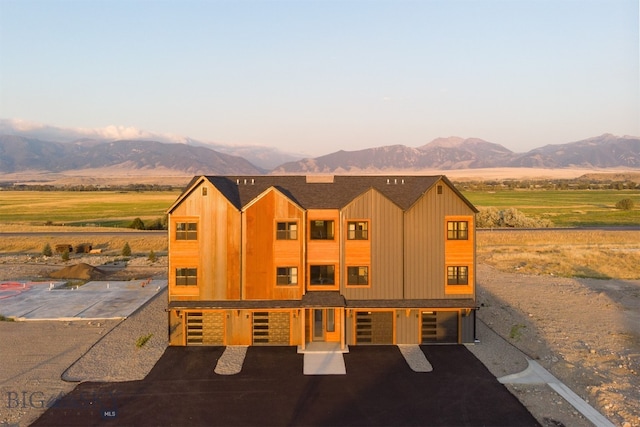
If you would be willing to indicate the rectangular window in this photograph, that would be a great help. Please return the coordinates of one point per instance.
(357, 276)
(186, 277)
(287, 276)
(322, 275)
(457, 230)
(186, 231)
(358, 230)
(286, 231)
(458, 275)
(322, 230)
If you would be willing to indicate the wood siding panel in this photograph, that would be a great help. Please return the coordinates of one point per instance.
(385, 247)
(408, 326)
(264, 253)
(461, 253)
(425, 236)
(216, 253)
(323, 252)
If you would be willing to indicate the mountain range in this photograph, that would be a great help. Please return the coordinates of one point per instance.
(20, 154)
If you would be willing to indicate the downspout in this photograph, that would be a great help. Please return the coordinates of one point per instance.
(342, 267)
(242, 253)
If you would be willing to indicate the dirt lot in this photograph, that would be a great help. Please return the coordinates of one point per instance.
(584, 331)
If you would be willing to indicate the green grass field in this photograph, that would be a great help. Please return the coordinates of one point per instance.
(100, 208)
(565, 208)
(568, 208)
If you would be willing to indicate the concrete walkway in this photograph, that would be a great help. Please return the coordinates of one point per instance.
(323, 358)
(536, 374)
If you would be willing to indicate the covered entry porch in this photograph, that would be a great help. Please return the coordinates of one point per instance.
(323, 321)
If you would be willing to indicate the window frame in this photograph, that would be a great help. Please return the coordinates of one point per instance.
(187, 234)
(183, 274)
(290, 272)
(455, 275)
(288, 233)
(456, 232)
(357, 234)
(358, 275)
(313, 227)
(326, 266)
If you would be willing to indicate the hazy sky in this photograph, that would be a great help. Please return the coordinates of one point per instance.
(318, 76)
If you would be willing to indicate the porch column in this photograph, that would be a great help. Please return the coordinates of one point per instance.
(303, 315)
(343, 320)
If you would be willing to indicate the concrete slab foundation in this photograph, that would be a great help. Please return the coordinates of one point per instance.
(53, 300)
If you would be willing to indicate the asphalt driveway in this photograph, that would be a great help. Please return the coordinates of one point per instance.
(379, 389)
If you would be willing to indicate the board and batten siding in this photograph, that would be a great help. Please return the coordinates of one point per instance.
(385, 247)
(424, 243)
(216, 253)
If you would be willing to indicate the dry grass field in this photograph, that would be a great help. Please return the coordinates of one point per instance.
(599, 254)
(108, 243)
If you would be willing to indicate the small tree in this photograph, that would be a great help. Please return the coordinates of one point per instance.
(46, 251)
(126, 249)
(65, 255)
(152, 256)
(137, 224)
(625, 204)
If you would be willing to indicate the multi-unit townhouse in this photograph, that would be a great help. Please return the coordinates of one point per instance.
(290, 260)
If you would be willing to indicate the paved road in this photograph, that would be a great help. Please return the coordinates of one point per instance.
(507, 229)
(81, 233)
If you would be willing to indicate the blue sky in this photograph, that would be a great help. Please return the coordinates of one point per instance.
(320, 76)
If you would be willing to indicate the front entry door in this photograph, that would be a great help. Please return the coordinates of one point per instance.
(324, 324)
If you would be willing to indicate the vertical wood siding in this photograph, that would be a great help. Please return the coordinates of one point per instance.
(216, 253)
(264, 253)
(385, 240)
(425, 234)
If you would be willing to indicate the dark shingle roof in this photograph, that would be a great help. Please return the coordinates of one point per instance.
(402, 190)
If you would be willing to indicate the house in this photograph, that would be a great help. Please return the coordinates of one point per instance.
(290, 260)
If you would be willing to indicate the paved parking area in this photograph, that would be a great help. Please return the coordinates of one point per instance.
(52, 300)
(379, 389)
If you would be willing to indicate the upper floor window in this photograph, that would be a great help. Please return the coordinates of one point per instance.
(357, 276)
(458, 275)
(322, 275)
(358, 230)
(286, 231)
(186, 277)
(186, 231)
(287, 275)
(457, 230)
(322, 230)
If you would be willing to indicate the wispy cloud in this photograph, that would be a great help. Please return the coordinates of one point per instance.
(59, 134)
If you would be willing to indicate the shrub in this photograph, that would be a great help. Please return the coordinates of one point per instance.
(152, 256)
(126, 249)
(46, 251)
(142, 340)
(494, 218)
(137, 224)
(625, 204)
(65, 255)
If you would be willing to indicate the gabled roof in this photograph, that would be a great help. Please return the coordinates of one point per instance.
(333, 193)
